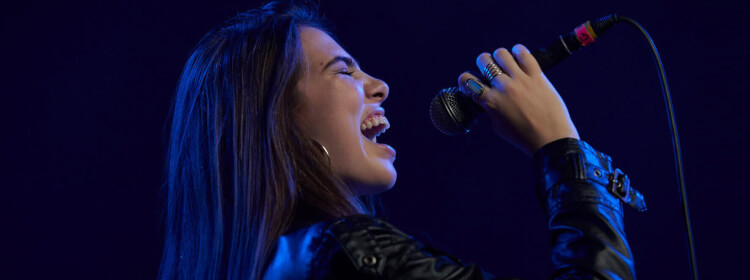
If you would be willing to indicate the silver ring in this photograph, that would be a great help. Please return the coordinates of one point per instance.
(491, 70)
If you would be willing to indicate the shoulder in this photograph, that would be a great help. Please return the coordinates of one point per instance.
(360, 245)
(337, 248)
(365, 247)
(362, 228)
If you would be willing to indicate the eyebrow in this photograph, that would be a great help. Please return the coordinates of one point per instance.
(350, 62)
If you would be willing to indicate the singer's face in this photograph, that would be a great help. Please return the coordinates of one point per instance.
(341, 109)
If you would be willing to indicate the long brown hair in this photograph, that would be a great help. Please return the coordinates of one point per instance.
(238, 170)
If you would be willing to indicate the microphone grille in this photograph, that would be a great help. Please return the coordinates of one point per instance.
(452, 113)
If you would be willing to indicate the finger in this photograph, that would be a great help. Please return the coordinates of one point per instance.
(499, 78)
(526, 60)
(506, 61)
(473, 86)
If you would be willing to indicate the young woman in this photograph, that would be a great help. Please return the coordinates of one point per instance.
(273, 154)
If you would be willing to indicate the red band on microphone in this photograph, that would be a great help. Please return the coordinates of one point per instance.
(585, 34)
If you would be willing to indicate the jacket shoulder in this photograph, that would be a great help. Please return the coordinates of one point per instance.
(366, 247)
(348, 247)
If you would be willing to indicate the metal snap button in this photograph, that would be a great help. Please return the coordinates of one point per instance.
(370, 260)
(597, 173)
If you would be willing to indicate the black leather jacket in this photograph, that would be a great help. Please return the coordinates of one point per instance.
(585, 221)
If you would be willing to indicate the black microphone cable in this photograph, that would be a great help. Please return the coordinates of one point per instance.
(675, 143)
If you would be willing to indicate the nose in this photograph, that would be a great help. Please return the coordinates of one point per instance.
(376, 89)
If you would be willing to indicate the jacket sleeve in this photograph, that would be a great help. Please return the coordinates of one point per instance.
(585, 219)
(585, 222)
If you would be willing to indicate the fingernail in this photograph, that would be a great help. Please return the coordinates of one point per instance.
(474, 87)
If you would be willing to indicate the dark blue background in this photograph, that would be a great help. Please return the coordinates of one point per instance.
(87, 86)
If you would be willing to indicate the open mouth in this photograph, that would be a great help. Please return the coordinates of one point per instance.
(373, 126)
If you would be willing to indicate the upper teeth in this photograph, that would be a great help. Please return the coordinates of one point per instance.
(375, 121)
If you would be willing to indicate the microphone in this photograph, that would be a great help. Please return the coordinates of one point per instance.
(452, 113)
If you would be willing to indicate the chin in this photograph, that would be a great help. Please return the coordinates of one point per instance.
(377, 182)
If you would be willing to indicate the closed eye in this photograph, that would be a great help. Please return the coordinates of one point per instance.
(345, 71)
(350, 63)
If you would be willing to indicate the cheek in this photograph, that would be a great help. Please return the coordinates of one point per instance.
(327, 110)
(343, 109)
(342, 120)
(338, 98)
(331, 115)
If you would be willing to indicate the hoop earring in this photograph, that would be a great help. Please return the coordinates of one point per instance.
(323, 148)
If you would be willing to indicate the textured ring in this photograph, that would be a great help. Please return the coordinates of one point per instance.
(491, 70)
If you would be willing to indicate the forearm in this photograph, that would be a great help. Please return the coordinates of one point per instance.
(585, 220)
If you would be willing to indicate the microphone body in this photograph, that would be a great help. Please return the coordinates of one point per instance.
(580, 37)
(452, 113)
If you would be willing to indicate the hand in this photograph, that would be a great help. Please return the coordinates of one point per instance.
(525, 108)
